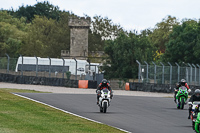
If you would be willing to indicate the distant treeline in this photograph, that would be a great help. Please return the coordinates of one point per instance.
(42, 30)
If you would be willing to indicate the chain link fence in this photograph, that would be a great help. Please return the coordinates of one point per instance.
(168, 74)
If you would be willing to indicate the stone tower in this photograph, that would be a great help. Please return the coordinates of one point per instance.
(79, 37)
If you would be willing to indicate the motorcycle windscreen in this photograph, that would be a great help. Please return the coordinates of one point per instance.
(105, 91)
(183, 88)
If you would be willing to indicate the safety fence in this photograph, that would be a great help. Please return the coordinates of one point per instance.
(168, 74)
(73, 69)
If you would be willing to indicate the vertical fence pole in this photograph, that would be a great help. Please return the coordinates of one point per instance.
(63, 67)
(170, 80)
(195, 74)
(49, 67)
(76, 68)
(199, 73)
(22, 65)
(190, 73)
(178, 71)
(36, 66)
(8, 62)
(154, 73)
(139, 72)
(147, 72)
(163, 72)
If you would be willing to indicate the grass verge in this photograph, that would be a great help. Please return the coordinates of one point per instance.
(19, 115)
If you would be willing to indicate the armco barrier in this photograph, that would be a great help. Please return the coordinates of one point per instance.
(134, 86)
(44, 81)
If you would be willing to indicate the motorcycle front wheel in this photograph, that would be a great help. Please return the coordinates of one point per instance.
(182, 103)
(104, 107)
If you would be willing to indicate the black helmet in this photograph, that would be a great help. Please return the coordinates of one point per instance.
(197, 93)
(183, 81)
(104, 82)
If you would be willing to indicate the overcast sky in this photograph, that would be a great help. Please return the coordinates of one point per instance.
(130, 14)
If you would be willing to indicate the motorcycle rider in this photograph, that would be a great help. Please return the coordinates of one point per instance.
(194, 97)
(104, 83)
(179, 84)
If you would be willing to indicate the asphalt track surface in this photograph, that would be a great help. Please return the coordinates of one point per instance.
(135, 114)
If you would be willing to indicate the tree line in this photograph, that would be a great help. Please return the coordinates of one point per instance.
(42, 30)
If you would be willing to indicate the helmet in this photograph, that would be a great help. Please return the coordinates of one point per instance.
(197, 93)
(183, 81)
(104, 82)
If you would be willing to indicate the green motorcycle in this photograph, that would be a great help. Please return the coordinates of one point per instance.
(181, 97)
(197, 125)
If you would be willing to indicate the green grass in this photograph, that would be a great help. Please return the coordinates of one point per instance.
(19, 115)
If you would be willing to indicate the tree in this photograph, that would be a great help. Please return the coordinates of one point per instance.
(41, 9)
(123, 53)
(12, 31)
(160, 34)
(46, 37)
(184, 43)
(102, 29)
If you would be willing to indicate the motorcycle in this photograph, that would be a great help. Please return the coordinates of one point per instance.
(197, 125)
(104, 100)
(181, 97)
(193, 116)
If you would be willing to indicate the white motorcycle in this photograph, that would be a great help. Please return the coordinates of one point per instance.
(104, 100)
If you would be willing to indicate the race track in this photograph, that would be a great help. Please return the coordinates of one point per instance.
(132, 113)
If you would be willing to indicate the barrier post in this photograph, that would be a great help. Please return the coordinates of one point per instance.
(36, 66)
(49, 67)
(139, 72)
(63, 68)
(8, 63)
(75, 69)
(154, 72)
(163, 72)
(190, 73)
(195, 75)
(170, 79)
(178, 71)
(147, 71)
(22, 65)
(199, 73)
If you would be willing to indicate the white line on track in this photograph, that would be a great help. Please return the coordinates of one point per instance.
(67, 112)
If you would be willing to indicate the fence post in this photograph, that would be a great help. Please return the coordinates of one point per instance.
(147, 71)
(49, 67)
(190, 73)
(139, 72)
(22, 65)
(199, 73)
(170, 80)
(178, 71)
(76, 68)
(154, 72)
(163, 72)
(195, 75)
(63, 67)
(36, 66)
(8, 62)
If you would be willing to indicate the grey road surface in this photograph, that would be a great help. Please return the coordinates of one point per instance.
(132, 113)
